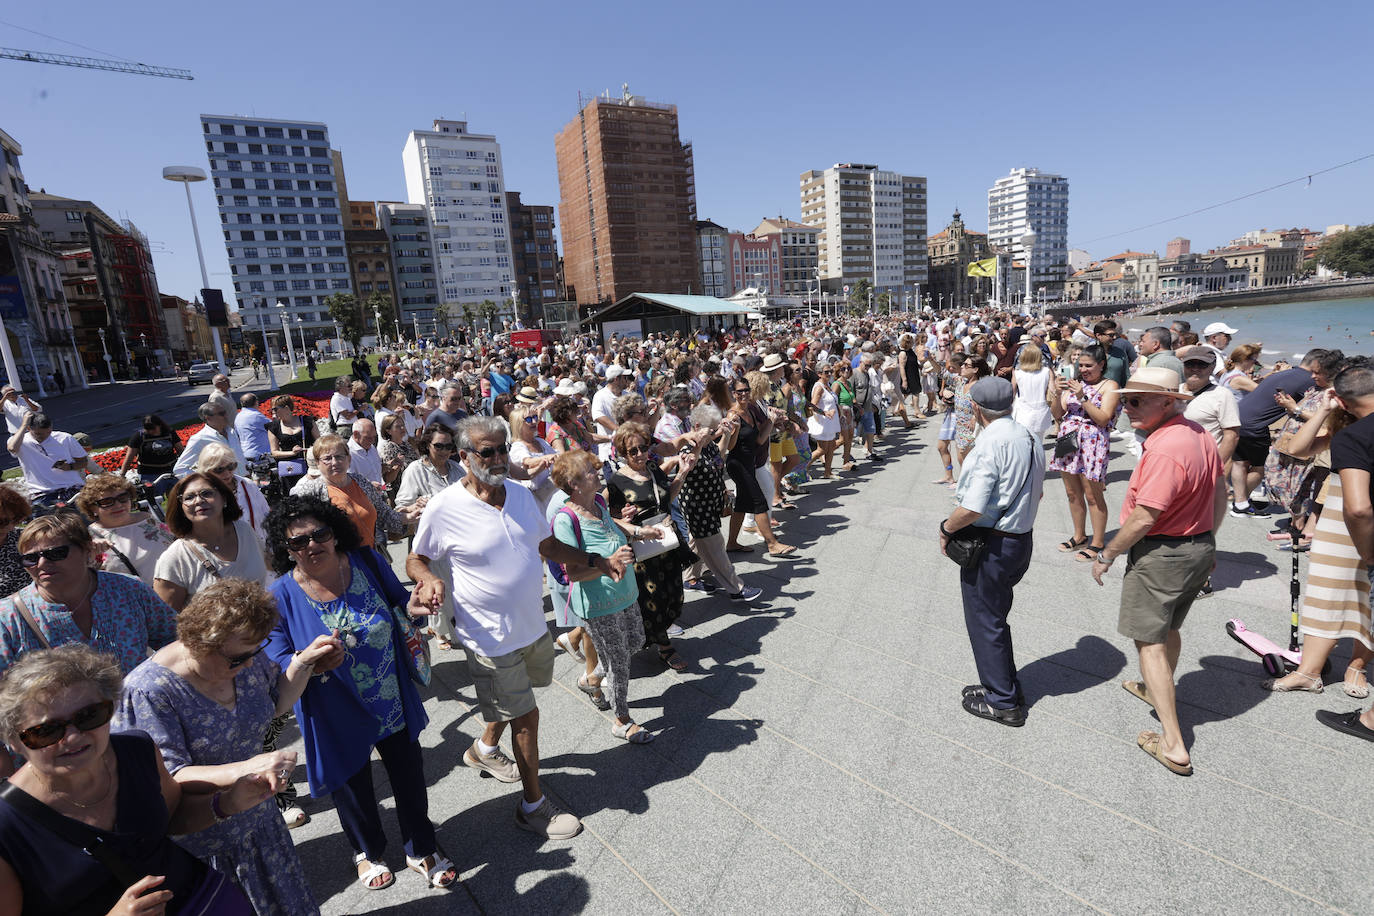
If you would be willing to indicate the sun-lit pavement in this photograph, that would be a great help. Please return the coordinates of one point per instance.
(814, 758)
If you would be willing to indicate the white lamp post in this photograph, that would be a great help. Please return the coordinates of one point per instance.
(187, 174)
(108, 367)
(266, 344)
(300, 326)
(286, 333)
(377, 317)
(1028, 245)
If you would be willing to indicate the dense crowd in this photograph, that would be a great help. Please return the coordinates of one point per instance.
(165, 622)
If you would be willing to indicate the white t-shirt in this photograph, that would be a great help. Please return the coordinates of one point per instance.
(15, 412)
(340, 402)
(601, 407)
(36, 460)
(367, 463)
(493, 558)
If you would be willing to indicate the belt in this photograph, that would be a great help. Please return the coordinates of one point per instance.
(1179, 538)
(1008, 534)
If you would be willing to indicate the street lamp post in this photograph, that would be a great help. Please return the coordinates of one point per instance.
(1028, 245)
(377, 317)
(109, 368)
(286, 333)
(300, 326)
(187, 174)
(416, 319)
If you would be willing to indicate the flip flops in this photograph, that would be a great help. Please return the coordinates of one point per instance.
(642, 736)
(1149, 742)
(1073, 544)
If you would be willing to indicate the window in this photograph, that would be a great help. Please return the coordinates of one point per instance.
(317, 169)
(317, 268)
(243, 218)
(286, 218)
(268, 218)
(247, 253)
(247, 236)
(315, 135)
(302, 186)
(343, 284)
(269, 235)
(298, 150)
(256, 286)
(284, 202)
(300, 284)
(319, 152)
(280, 167)
(276, 269)
(307, 201)
(259, 166)
(301, 168)
(321, 284)
(295, 134)
(279, 286)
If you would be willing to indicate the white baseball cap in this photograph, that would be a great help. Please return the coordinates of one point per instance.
(1217, 327)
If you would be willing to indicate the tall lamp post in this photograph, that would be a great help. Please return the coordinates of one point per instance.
(300, 326)
(109, 367)
(377, 317)
(286, 333)
(187, 174)
(1028, 245)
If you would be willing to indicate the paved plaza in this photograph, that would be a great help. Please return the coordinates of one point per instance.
(815, 759)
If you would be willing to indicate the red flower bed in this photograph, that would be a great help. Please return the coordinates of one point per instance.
(312, 405)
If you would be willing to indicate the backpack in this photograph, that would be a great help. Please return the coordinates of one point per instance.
(559, 571)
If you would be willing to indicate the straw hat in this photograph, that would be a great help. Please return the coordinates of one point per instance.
(527, 395)
(772, 361)
(1155, 380)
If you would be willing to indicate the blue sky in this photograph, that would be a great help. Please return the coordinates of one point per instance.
(1150, 111)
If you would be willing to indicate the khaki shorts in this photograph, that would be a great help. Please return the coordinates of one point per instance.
(1161, 582)
(505, 684)
(781, 451)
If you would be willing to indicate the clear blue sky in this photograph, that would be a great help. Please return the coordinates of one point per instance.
(1150, 110)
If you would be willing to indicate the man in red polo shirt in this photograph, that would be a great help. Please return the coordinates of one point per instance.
(1174, 505)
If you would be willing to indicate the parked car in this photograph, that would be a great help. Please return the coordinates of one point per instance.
(201, 372)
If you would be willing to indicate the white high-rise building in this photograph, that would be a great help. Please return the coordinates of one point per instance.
(457, 176)
(872, 225)
(1035, 200)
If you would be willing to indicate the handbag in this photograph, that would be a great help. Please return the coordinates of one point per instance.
(416, 646)
(1066, 445)
(644, 550)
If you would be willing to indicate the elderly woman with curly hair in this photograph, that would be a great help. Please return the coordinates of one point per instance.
(81, 787)
(331, 585)
(206, 701)
(368, 509)
(567, 431)
(132, 540)
(214, 541)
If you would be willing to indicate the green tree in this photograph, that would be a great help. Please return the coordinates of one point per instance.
(468, 315)
(858, 296)
(441, 319)
(883, 303)
(379, 305)
(489, 311)
(1350, 252)
(343, 308)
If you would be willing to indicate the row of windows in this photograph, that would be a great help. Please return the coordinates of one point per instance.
(332, 251)
(299, 168)
(286, 235)
(275, 184)
(281, 286)
(272, 133)
(286, 219)
(273, 149)
(324, 203)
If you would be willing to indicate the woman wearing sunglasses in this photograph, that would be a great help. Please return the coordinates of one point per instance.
(132, 540)
(751, 444)
(219, 461)
(423, 478)
(331, 585)
(289, 437)
(824, 422)
(68, 600)
(1085, 407)
(206, 700)
(214, 540)
(111, 791)
(394, 448)
(533, 452)
(371, 514)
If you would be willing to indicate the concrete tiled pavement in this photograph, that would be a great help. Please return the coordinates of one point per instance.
(814, 758)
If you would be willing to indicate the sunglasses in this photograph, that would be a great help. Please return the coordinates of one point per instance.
(636, 450)
(109, 501)
(1136, 402)
(531, 421)
(238, 661)
(51, 554)
(87, 718)
(744, 391)
(321, 535)
(491, 451)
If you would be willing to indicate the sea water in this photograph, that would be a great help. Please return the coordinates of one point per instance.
(1286, 330)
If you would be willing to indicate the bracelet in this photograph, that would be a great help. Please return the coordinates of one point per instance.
(942, 528)
(215, 809)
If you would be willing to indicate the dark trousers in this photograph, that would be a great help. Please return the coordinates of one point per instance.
(987, 591)
(356, 801)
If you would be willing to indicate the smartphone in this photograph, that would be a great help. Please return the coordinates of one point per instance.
(1068, 371)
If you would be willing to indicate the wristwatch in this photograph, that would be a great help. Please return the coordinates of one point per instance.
(591, 560)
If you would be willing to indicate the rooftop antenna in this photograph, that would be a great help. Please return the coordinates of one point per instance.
(625, 91)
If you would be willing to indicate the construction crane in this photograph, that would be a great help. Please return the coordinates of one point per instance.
(94, 63)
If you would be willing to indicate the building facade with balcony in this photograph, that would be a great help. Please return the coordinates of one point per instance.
(457, 176)
(280, 217)
(871, 225)
(534, 248)
(410, 236)
(1031, 200)
(797, 243)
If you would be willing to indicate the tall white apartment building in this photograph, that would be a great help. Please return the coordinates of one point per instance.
(278, 199)
(872, 225)
(457, 176)
(1036, 200)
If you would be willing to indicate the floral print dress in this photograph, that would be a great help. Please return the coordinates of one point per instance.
(965, 426)
(1090, 460)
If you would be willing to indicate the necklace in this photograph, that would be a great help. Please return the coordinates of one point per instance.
(109, 785)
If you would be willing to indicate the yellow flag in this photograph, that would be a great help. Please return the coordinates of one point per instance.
(984, 268)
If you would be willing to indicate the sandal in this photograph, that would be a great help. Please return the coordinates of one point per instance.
(1358, 687)
(740, 548)
(786, 551)
(1087, 554)
(640, 736)
(1073, 544)
(594, 693)
(668, 655)
(375, 871)
(1314, 685)
(443, 642)
(436, 868)
(566, 645)
(1137, 690)
(1149, 743)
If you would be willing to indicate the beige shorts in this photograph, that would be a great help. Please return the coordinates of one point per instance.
(1160, 585)
(505, 684)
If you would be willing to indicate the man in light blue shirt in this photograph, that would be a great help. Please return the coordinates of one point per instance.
(251, 425)
(999, 489)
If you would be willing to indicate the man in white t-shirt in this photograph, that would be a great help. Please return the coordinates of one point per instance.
(341, 410)
(216, 429)
(492, 536)
(220, 396)
(363, 454)
(54, 463)
(17, 405)
(617, 380)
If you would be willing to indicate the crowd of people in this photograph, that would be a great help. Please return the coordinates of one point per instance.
(615, 477)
